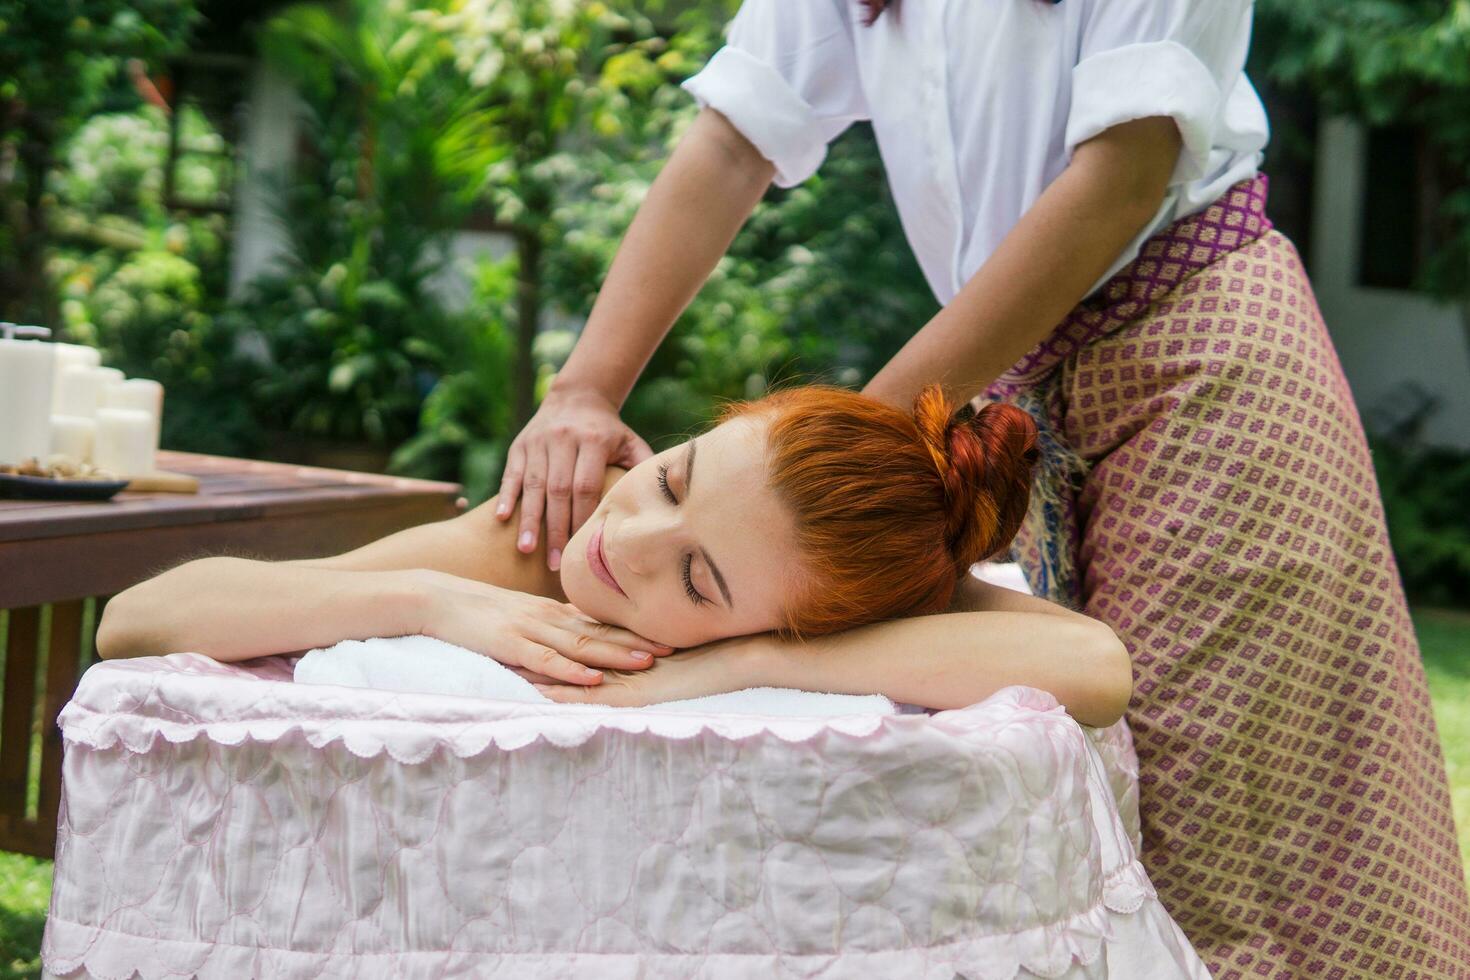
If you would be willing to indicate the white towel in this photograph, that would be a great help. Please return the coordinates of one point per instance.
(425, 665)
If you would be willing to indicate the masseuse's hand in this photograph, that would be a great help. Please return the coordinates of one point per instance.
(555, 466)
(714, 668)
(548, 638)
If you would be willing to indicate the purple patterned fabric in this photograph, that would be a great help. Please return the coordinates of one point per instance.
(1179, 251)
(1221, 513)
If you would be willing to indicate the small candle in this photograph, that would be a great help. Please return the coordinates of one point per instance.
(139, 393)
(73, 437)
(70, 355)
(25, 399)
(124, 443)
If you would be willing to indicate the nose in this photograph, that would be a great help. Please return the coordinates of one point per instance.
(642, 538)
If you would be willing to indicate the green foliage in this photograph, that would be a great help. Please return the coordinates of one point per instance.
(114, 164)
(107, 197)
(835, 257)
(728, 342)
(463, 429)
(403, 147)
(819, 283)
(349, 349)
(58, 60)
(1387, 61)
(56, 56)
(148, 318)
(1424, 491)
(25, 891)
(1444, 641)
(149, 300)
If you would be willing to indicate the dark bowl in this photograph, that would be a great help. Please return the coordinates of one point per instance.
(14, 487)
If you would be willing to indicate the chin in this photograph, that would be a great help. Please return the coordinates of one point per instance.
(579, 586)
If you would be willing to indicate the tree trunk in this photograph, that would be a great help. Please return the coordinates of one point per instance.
(32, 302)
(528, 316)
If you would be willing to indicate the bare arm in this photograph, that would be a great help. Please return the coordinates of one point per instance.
(236, 608)
(993, 638)
(706, 190)
(1043, 268)
(456, 579)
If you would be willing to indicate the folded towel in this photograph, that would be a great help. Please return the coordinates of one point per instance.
(425, 665)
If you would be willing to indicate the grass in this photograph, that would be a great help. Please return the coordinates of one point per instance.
(25, 883)
(25, 890)
(1444, 636)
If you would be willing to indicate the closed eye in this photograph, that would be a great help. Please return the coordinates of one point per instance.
(694, 594)
(663, 483)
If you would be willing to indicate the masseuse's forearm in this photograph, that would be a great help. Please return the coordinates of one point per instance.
(235, 608)
(1114, 185)
(951, 660)
(706, 190)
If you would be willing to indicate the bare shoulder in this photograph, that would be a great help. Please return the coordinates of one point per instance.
(488, 548)
(976, 595)
(475, 545)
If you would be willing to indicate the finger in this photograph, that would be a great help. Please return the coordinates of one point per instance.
(584, 624)
(587, 649)
(545, 660)
(533, 499)
(533, 676)
(567, 693)
(561, 464)
(510, 481)
(587, 482)
(632, 452)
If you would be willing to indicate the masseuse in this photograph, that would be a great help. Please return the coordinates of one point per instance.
(1079, 183)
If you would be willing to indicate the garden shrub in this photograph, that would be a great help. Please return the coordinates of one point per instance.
(1424, 494)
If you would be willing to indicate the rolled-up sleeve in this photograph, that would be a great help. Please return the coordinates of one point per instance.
(787, 79)
(1176, 58)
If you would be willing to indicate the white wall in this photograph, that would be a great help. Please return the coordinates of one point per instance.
(269, 147)
(1385, 337)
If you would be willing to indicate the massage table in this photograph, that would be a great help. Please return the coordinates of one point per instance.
(220, 821)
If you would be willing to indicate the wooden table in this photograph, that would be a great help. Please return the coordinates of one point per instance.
(59, 562)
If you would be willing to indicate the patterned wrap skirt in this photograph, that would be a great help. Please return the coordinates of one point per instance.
(1207, 491)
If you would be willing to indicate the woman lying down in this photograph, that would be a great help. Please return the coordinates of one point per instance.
(814, 539)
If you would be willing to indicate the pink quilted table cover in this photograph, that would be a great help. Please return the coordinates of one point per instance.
(220, 821)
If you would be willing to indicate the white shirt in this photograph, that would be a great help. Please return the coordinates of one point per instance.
(977, 105)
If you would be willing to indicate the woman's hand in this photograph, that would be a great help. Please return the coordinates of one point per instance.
(556, 463)
(540, 636)
(714, 668)
(685, 224)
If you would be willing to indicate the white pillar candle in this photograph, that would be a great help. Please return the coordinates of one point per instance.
(139, 393)
(73, 437)
(110, 377)
(124, 443)
(82, 389)
(70, 355)
(25, 399)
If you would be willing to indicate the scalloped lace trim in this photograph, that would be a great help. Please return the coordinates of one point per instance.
(134, 705)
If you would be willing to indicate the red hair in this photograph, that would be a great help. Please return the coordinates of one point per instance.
(891, 507)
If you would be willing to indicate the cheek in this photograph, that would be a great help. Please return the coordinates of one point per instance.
(665, 623)
(669, 622)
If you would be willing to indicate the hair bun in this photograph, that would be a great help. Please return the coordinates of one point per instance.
(984, 461)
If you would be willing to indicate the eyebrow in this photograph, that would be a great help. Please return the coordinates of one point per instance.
(715, 569)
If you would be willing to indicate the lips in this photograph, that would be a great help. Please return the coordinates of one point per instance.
(597, 561)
